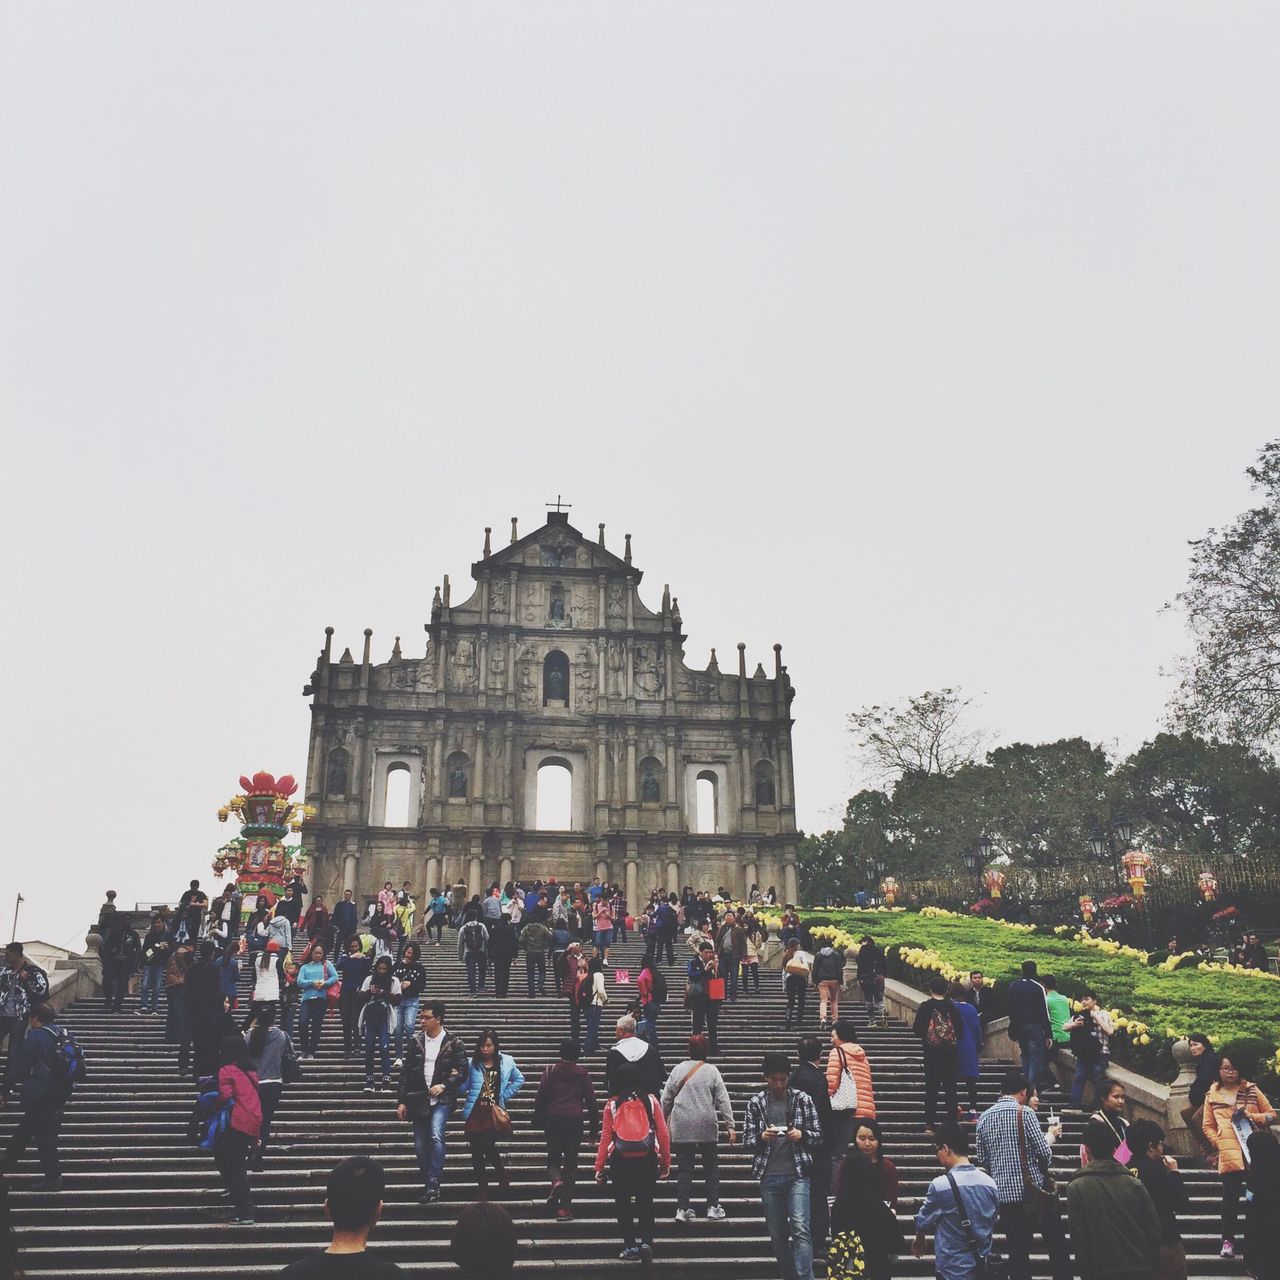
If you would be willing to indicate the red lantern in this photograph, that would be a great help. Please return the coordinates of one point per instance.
(1208, 886)
(889, 890)
(1136, 864)
(994, 880)
(1088, 908)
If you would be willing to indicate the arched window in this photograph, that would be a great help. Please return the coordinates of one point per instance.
(650, 771)
(395, 812)
(457, 772)
(766, 791)
(335, 776)
(708, 797)
(555, 679)
(554, 805)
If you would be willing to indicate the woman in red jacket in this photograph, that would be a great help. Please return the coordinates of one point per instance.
(235, 1146)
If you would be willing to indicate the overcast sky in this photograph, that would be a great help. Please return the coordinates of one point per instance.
(919, 338)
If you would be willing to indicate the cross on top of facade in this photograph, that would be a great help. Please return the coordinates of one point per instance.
(559, 503)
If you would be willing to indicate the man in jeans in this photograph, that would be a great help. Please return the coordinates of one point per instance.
(1000, 1151)
(783, 1133)
(811, 1079)
(1029, 1023)
(955, 1256)
(1090, 1037)
(437, 1056)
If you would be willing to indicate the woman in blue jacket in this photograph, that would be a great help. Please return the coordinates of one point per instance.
(494, 1080)
(967, 1049)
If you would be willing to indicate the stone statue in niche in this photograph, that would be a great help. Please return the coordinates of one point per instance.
(617, 663)
(457, 781)
(498, 598)
(556, 613)
(765, 793)
(649, 789)
(464, 665)
(556, 691)
(650, 679)
(616, 602)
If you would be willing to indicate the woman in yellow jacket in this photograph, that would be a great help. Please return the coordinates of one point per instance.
(1232, 1095)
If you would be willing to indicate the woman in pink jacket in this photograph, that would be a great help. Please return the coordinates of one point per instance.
(238, 1140)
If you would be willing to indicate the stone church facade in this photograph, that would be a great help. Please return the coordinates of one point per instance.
(553, 662)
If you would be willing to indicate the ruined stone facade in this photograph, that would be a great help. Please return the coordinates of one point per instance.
(552, 661)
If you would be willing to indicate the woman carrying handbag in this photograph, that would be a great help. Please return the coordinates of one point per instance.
(493, 1080)
(702, 999)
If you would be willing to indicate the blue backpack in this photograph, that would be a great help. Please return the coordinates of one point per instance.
(210, 1119)
(68, 1067)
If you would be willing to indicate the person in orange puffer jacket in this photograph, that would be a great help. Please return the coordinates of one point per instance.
(847, 1054)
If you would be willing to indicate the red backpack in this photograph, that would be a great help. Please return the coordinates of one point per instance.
(633, 1132)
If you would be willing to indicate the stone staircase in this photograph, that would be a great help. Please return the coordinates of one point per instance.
(138, 1201)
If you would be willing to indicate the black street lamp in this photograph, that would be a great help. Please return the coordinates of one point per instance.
(1101, 849)
(1123, 831)
(970, 858)
(986, 847)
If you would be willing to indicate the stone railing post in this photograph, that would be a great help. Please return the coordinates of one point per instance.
(1179, 1138)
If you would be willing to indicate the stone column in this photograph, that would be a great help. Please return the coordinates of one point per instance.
(673, 874)
(752, 873)
(633, 884)
(433, 870)
(790, 885)
(507, 860)
(475, 880)
(479, 792)
(350, 865)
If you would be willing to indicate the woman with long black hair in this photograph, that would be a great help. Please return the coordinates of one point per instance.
(493, 1080)
(269, 1048)
(860, 1208)
(235, 1145)
(380, 993)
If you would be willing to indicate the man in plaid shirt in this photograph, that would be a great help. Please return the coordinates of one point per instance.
(1000, 1153)
(783, 1133)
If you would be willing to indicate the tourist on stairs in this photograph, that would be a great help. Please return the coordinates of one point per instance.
(473, 949)
(828, 977)
(344, 921)
(269, 1047)
(381, 994)
(848, 1085)
(566, 1107)
(961, 1207)
(782, 1133)
(266, 988)
(1232, 1094)
(503, 944)
(969, 1046)
(694, 1102)
(797, 966)
(411, 978)
(353, 968)
(705, 1011)
(602, 927)
(937, 1023)
(435, 1071)
(1007, 1131)
(651, 985)
(235, 1144)
(1110, 1115)
(636, 1147)
(630, 1051)
(867, 1140)
(535, 941)
(811, 1079)
(872, 967)
(493, 1080)
(860, 1208)
(438, 916)
(156, 949)
(315, 978)
(593, 999)
(353, 1203)
(177, 1020)
(44, 1094)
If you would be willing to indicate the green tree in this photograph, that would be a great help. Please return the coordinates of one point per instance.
(1230, 684)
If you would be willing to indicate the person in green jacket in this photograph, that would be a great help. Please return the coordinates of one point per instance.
(1115, 1230)
(1059, 1015)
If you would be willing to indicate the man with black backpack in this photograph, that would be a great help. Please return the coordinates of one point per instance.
(119, 952)
(48, 1064)
(473, 951)
(937, 1023)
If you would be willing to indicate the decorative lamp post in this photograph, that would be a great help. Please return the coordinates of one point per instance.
(986, 847)
(1124, 832)
(1098, 843)
(1207, 883)
(259, 856)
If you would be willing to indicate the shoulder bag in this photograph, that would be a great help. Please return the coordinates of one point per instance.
(845, 1097)
(1041, 1201)
(990, 1267)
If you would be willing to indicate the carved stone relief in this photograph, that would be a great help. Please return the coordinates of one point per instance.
(651, 680)
(616, 660)
(497, 667)
(463, 665)
(498, 599)
(616, 602)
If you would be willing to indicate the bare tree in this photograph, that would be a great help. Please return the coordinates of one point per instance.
(1230, 685)
(926, 734)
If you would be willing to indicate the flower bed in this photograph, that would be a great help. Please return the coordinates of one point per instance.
(1155, 999)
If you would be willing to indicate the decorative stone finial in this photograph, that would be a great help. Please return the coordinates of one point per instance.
(395, 650)
(488, 529)
(627, 554)
(602, 535)
(515, 537)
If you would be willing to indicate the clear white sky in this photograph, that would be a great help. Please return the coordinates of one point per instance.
(919, 338)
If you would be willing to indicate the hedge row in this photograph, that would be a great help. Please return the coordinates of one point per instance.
(1155, 996)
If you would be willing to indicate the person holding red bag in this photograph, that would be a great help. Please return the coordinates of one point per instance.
(704, 993)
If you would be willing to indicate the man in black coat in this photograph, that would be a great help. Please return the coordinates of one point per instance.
(810, 1078)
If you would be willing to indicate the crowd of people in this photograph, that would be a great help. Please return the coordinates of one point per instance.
(828, 1190)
